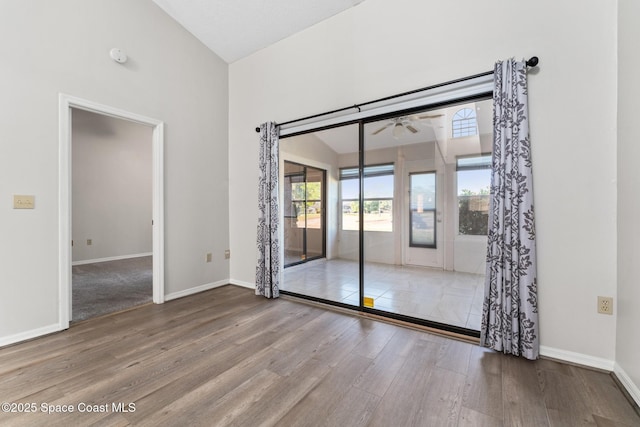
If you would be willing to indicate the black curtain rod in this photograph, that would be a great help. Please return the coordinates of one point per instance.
(531, 62)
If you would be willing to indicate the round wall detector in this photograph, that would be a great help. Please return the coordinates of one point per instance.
(118, 55)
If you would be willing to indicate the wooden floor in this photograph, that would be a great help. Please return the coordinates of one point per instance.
(227, 357)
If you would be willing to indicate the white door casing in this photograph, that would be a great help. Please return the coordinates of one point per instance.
(66, 102)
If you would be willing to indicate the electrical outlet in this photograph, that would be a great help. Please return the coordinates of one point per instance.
(227, 254)
(209, 256)
(605, 305)
(89, 242)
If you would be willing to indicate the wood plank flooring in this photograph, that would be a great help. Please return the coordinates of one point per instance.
(226, 357)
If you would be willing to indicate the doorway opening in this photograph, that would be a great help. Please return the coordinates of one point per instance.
(111, 214)
(102, 226)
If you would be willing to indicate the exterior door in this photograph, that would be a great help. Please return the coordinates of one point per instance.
(423, 216)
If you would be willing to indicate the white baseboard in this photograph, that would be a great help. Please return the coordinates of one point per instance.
(243, 284)
(111, 258)
(626, 381)
(27, 335)
(577, 358)
(195, 290)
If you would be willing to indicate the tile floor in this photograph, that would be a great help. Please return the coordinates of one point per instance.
(442, 296)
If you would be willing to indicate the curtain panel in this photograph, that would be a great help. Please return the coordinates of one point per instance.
(510, 309)
(268, 266)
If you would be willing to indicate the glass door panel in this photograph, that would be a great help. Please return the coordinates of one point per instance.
(304, 236)
(422, 210)
(315, 213)
(382, 222)
(330, 269)
(293, 207)
(426, 262)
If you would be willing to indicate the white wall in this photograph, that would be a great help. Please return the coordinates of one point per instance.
(378, 49)
(111, 189)
(628, 302)
(63, 46)
(470, 254)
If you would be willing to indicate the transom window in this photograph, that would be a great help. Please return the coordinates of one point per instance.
(464, 123)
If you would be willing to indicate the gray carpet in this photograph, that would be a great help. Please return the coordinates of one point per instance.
(111, 286)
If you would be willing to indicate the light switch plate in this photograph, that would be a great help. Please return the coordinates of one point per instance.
(23, 202)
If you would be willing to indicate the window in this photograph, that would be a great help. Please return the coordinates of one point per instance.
(378, 198)
(474, 181)
(422, 215)
(464, 123)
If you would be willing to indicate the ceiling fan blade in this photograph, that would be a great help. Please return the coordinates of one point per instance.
(430, 116)
(411, 128)
(382, 128)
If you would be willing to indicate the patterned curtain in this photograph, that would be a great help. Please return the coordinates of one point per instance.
(268, 268)
(510, 310)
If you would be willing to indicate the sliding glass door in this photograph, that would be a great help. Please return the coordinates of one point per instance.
(293, 234)
(406, 207)
(304, 218)
(429, 265)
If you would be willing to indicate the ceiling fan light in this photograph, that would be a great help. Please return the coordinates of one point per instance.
(398, 130)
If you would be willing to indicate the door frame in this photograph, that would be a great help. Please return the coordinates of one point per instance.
(66, 102)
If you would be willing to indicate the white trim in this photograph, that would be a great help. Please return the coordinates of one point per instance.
(65, 103)
(577, 358)
(27, 335)
(158, 212)
(444, 93)
(111, 258)
(628, 384)
(242, 283)
(64, 213)
(195, 290)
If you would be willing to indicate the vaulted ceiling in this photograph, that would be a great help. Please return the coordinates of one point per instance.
(234, 29)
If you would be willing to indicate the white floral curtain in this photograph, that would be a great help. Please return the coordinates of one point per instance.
(268, 267)
(510, 311)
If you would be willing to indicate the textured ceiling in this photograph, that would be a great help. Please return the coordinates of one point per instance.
(234, 29)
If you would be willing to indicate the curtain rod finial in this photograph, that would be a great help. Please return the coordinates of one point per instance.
(258, 129)
(533, 61)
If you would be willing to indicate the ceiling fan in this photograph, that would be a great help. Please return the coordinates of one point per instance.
(409, 123)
